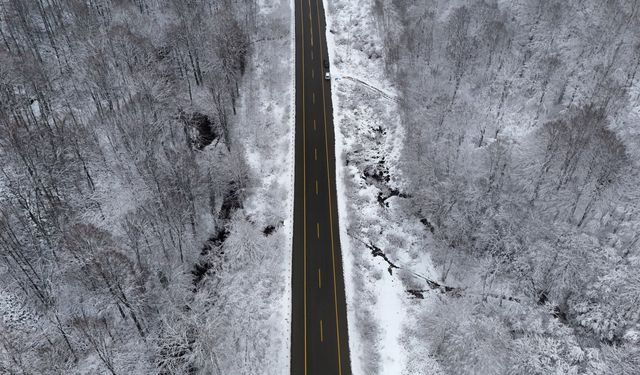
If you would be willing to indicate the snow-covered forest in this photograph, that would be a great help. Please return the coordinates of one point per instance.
(492, 224)
(521, 156)
(124, 244)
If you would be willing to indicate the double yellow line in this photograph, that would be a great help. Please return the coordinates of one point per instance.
(326, 140)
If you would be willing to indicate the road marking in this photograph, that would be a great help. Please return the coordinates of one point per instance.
(316, 187)
(304, 195)
(321, 334)
(313, 97)
(310, 23)
(333, 253)
(314, 124)
(312, 73)
(315, 154)
(318, 229)
(311, 54)
(319, 279)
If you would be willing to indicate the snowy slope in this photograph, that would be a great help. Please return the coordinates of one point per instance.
(267, 137)
(368, 141)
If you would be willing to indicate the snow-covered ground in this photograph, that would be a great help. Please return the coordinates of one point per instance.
(369, 137)
(265, 130)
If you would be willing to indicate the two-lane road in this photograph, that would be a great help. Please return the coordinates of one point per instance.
(319, 342)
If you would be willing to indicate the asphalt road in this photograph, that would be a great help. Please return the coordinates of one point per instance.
(319, 342)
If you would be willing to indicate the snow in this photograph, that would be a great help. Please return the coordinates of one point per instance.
(363, 100)
(35, 108)
(288, 224)
(266, 119)
(14, 314)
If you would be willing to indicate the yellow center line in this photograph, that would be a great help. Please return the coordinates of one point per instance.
(304, 199)
(315, 154)
(333, 253)
(318, 229)
(321, 334)
(316, 187)
(319, 279)
(314, 124)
